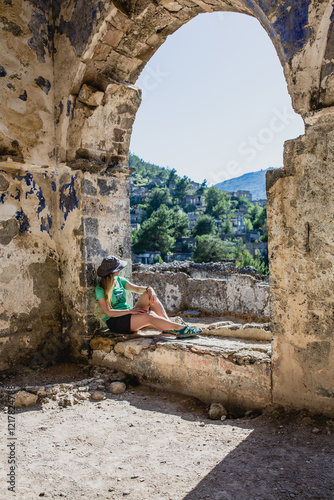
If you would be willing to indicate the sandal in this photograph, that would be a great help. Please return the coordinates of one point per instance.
(186, 331)
(181, 323)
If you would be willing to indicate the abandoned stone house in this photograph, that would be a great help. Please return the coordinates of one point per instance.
(68, 102)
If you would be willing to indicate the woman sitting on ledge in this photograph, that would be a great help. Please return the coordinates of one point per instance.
(148, 311)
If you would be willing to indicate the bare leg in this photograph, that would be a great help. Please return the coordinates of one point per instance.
(145, 303)
(159, 309)
(152, 319)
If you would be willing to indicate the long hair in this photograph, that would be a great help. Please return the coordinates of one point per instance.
(108, 283)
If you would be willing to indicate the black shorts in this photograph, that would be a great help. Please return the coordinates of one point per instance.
(120, 324)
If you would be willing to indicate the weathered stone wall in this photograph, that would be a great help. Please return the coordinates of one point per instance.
(225, 293)
(301, 246)
(55, 226)
(30, 271)
(104, 229)
(27, 82)
(64, 201)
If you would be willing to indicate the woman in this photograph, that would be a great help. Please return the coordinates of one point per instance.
(148, 311)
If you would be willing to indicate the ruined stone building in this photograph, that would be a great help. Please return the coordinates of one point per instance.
(68, 70)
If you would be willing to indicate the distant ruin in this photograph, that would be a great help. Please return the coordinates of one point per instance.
(68, 103)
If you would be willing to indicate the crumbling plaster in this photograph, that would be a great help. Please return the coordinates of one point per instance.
(68, 102)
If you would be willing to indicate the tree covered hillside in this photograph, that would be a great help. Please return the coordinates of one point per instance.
(146, 171)
(176, 217)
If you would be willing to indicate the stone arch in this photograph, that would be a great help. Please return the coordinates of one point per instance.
(127, 34)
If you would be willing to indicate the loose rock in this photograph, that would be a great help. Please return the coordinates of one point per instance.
(117, 387)
(23, 399)
(97, 396)
(217, 411)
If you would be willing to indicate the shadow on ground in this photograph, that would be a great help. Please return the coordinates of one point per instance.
(273, 464)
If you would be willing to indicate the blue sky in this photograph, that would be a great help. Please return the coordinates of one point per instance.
(215, 101)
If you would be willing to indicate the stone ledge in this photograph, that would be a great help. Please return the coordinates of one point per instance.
(248, 331)
(234, 372)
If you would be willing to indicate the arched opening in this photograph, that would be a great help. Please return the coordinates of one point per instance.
(215, 106)
(211, 96)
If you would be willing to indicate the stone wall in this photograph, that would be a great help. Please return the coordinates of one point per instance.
(301, 246)
(64, 201)
(55, 227)
(212, 289)
(30, 271)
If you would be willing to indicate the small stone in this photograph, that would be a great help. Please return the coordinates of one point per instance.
(99, 381)
(4, 184)
(192, 313)
(222, 418)
(82, 396)
(117, 387)
(97, 396)
(90, 96)
(315, 430)
(116, 377)
(84, 382)
(217, 411)
(65, 401)
(23, 399)
(32, 388)
(42, 494)
(126, 492)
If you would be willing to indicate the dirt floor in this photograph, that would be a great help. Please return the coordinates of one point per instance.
(149, 445)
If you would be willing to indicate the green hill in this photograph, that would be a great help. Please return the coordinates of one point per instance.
(253, 182)
(145, 170)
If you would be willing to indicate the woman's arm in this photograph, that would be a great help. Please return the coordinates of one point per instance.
(138, 289)
(142, 289)
(114, 313)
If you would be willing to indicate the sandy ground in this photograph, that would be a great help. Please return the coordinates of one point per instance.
(149, 445)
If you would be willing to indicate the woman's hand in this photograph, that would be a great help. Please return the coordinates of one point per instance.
(137, 310)
(152, 295)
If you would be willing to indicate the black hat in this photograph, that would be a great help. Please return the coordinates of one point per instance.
(110, 265)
